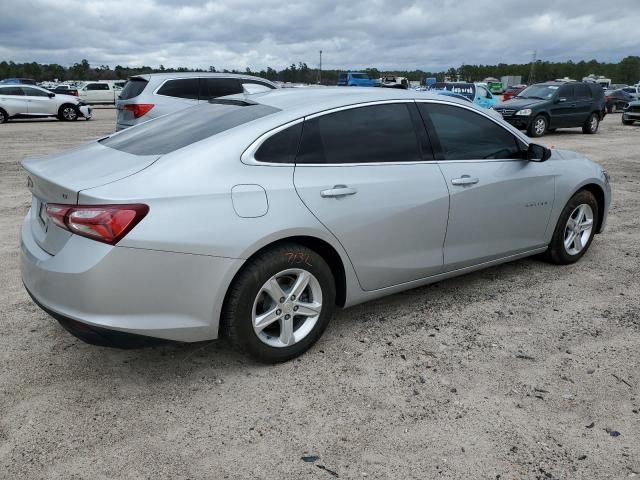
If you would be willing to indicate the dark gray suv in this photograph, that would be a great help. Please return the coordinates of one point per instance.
(149, 96)
(546, 106)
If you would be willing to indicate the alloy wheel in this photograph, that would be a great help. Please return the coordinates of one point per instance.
(539, 126)
(594, 123)
(578, 230)
(287, 307)
(69, 113)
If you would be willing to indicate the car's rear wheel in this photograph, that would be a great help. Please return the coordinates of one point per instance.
(68, 113)
(575, 229)
(4, 117)
(613, 108)
(280, 303)
(538, 126)
(591, 125)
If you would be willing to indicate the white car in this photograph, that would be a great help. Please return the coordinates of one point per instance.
(31, 101)
(103, 92)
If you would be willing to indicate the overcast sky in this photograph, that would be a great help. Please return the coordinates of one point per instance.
(392, 34)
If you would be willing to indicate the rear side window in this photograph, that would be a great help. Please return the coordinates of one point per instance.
(133, 88)
(11, 91)
(373, 134)
(465, 135)
(281, 147)
(172, 132)
(181, 88)
(98, 86)
(218, 87)
(582, 92)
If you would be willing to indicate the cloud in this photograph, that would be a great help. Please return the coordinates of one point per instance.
(430, 35)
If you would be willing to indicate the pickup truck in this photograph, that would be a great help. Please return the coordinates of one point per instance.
(99, 92)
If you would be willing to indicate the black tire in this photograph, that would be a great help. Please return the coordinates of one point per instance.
(4, 116)
(591, 125)
(237, 316)
(557, 252)
(538, 126)
(68, 113)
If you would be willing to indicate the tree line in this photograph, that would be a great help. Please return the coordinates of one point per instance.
(626, 71)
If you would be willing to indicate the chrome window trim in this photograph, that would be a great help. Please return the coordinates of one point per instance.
(248, 157)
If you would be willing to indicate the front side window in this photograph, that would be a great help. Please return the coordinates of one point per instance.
(466, 135)
(372, 134)
(182, 88)
(567, 92)
(34, 92)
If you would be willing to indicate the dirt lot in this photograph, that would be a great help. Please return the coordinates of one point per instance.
(526, 370)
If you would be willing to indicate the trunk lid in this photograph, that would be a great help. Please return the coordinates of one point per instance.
(60, 177)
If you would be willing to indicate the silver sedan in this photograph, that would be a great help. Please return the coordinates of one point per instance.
(255, 216)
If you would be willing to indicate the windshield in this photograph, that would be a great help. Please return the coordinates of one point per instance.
(172, 132)
(541, 92)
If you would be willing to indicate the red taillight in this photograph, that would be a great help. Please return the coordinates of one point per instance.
(138, 109)
(75, 93)
(104, 223)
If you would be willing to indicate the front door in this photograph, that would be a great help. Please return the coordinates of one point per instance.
(500, 203)
(564, 108)
(39, 101)
(362, 172)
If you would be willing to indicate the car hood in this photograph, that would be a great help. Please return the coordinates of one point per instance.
(61, 176)
(520, 103)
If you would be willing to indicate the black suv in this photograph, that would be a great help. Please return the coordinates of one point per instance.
(546, 106)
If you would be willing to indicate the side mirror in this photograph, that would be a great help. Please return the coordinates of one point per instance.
(538, 153)
(51, 95)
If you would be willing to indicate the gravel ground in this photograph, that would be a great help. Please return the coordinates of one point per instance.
(525, 370)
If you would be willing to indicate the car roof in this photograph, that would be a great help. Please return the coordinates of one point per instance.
(304, 101)
(161, 76)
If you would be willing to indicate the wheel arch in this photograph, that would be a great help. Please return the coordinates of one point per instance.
(320, 246)
(597, 192)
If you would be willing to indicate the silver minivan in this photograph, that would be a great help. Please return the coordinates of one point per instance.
(150, 96)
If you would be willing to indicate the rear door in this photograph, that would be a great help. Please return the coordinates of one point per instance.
(39, 101)
(12, 99)
(584, 103)
(500, 203)
(366, 172)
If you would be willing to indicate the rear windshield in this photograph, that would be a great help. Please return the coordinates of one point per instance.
(172, 132)
(133, 88)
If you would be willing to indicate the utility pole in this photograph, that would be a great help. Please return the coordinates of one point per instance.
(532, 71)
(320, 70)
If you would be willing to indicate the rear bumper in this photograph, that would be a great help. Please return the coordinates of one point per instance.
(173, 296)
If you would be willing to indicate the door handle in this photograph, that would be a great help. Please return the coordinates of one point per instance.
(338, 191)
(465, 180)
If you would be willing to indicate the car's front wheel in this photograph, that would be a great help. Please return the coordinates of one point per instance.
(538, 126)
(68, 113)
(280, 303)
(575, 229)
